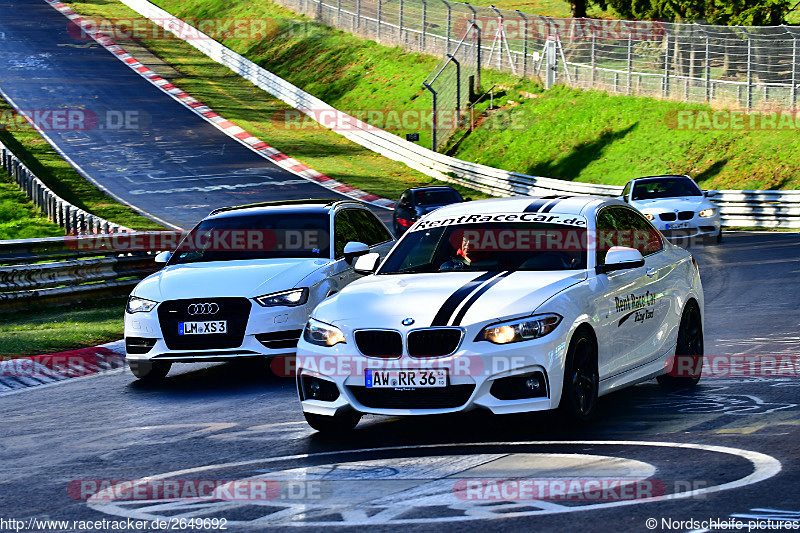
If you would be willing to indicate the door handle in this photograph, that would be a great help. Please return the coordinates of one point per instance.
(650, 272)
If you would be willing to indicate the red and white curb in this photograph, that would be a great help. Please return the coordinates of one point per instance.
(39, 370)
(226, 126)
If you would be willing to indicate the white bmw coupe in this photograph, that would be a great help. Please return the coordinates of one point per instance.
(510, 305)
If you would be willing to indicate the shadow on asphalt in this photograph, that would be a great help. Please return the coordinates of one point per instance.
(234, 378)
(645, 410)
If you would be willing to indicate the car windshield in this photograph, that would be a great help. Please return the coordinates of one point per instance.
(262, 236)
(489, 247)
(665, 188)
(436, 197)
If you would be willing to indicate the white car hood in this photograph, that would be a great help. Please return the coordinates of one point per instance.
(226, 278)
(386, 300)
(686, 203)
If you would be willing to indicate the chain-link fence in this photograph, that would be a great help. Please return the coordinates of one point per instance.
(452, 84)
(735, 66)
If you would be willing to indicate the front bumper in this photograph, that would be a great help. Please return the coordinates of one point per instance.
(270, 332)
(695, 227)
(472, 372)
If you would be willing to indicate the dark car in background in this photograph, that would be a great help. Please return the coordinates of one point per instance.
(414, 203)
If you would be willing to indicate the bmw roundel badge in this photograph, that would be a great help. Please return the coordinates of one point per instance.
(408, 321)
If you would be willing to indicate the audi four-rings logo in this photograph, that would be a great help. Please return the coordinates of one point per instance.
(203, 309)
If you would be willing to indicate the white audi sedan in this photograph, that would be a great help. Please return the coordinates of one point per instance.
(676, 206)
(510, 305)
(242, 283)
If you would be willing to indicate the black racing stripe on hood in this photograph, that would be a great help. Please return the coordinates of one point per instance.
(549, 207)
(478, 294)
(450, 305)
(538, 204)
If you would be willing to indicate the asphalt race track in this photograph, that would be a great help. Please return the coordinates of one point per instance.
(145, 149)
(724, 451)
(711, 446)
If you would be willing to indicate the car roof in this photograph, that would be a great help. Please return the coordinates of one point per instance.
(572, 205)
(431, 188)
(304, 205)
(671, 176)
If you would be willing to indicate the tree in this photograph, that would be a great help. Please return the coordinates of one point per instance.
(579, 8)
(725, 12)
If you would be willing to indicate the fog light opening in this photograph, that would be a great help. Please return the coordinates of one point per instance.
(318, 389)
(520, 387)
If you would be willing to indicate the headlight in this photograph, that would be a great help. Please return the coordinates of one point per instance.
(139, 305)
(648, 216)
(520, 330)
(288, 298)
(707, 212)
(322, 334)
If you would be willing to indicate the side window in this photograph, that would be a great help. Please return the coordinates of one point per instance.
(621, 226)
(648, 239)
(369, 228)
(626, 191)
(405, 198)
(606, 225)
(344, 231)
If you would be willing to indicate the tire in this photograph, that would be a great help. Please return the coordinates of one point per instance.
(333, 424)
(150, 372)
(581, 379)
(719, 236)
(690, 344)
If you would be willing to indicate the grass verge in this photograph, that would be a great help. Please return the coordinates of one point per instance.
(587, 136)
(56, 330)
(63, 180)
(270, 119)
(19, 218)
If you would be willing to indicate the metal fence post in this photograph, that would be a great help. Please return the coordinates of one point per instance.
(708, 70)
(434, 117)
(524, 44)
(400, 23)
(339, 14)
(378, 24)
(476, 28)
(458, 82)
(630, 63)
(793, 92)
(665, 91)
(749, 73)
(594, 58)
(449, 20)
(358, 15)
(424, 24)
(550, 64)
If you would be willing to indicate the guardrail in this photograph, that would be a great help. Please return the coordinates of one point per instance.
(73, 219)
(779, 209)
(75, 269)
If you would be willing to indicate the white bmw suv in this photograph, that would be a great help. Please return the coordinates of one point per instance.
(243, 282)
